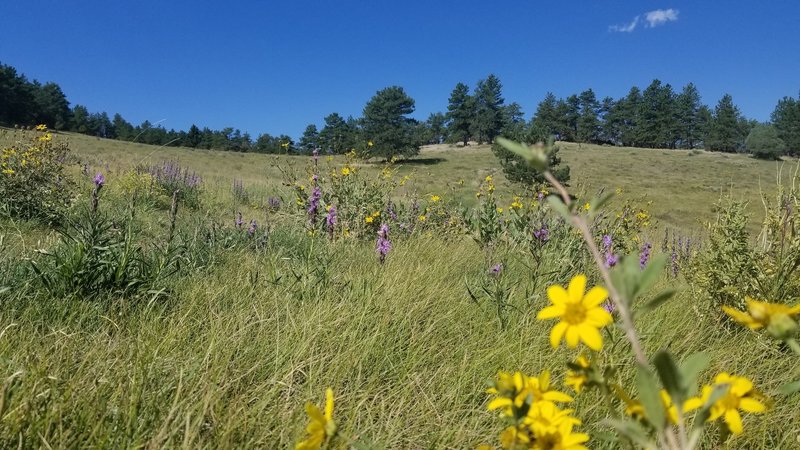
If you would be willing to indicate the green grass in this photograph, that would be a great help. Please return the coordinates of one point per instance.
(231, 358)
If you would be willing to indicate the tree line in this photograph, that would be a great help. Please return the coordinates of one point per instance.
(656, 117)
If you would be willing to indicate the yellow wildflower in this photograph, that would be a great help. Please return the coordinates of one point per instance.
(514, 437)
(376, 214)
(369, 219)
(422, 218)
(516, 204)
(320, 427)
(435, 198)
(488, 178)
(587, 206)
(740, 396)
(8, 171)
(561, 438)
(777, 318)
(499, 210)
(546, 417)
(514, 390)
(345, 171)
(370, 144)
(577, 379)
(580, 313)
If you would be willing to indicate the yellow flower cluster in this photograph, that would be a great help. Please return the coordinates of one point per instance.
(538, 423)
(739, 396)
(371, 218)
(516, 204)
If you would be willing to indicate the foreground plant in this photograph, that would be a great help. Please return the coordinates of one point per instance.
(321, 427)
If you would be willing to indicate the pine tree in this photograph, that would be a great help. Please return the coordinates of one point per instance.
(587, 123)
(726, 132)
(310, 139)
(687, 107)
(386, 125)
(786, 118)
(488, 112)
(460, 114)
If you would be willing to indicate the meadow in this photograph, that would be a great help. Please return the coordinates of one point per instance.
(238, 329)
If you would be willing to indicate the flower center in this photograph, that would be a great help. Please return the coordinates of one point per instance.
(574, 313)
(730, 401)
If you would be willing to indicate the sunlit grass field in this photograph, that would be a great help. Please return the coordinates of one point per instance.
(230, 358)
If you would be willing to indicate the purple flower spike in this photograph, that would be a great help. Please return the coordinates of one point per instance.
(99, 180)
(496, 270)
(239, 221)
(611, 260)
(330, 220)
(543, 234)
(384, 245)
(606, 242)
(645, 255)
(253, 227)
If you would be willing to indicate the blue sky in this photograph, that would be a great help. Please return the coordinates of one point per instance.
(275, 66)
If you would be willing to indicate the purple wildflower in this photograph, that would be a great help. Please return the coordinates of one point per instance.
(253, 227)
(99, 180)
(313, 204)
(611, 260)
(540, 196)
(644, 256)
(384, 245)
(674, 262)
(391, 212)
(607, 242)
(330, 220)
(496, 270)
(542, 234)
(274, 203)
(239, 221)
(609, 306)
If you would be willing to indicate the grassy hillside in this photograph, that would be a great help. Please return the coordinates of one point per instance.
(225, 345)
(682, 185)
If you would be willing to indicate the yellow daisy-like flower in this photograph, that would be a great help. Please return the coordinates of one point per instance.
(370, 144)
(764, 315)
(580, 313)
(546, 417)
(345, 171)
(633, 408)
(369, 219)
(8, 171)
(515, 436)
(499, 210)
(320, 427)
(586, 206)
(488, 178)
(41, 127)
(435, 198)
(741, 396)
(422, 218)
(561, 438)
(516, 204)
(577, 379)
(514, 390)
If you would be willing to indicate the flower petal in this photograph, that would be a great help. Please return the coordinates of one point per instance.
(751, 405)
(557, 333)
(572, 336)
(598, 317)
(551, 312)
(499, 402)
(577, 287)
(557, 295)
(595, 296)
(734, 421)
(591, 337)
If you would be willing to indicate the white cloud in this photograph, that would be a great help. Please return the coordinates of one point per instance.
(625, 28)
(660, 17)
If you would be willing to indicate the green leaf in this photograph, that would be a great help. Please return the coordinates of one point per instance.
(658, 300)
(691, 368)
(649, 396)
(632, 431)
(514, 147)
(651, 273)
(598, 202)
(789, 388)
(671, 377)
(559, 207)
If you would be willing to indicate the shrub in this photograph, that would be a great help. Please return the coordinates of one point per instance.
(32, 180)
(763, 142)
(517, 170)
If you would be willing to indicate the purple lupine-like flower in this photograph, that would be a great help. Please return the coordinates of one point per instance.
(542, 234)
(314, 178)
(644, 256)
(239, 221)
(674, 262)
(253, 227)
(313, 204)
(607, 242)
(608, 305)
(390, 211)
(384, 245)
(274, 203)
(611, 260)
(99, 180)
(330, 220)
(496, 270)
(540, 196)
